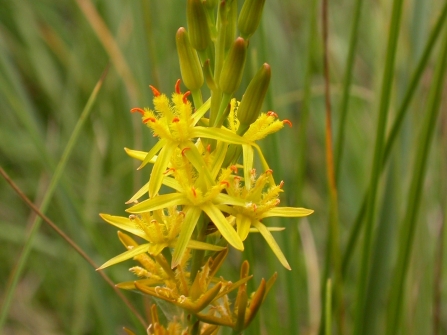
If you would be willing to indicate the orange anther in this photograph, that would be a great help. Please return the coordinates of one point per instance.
(233, 168)
(237, 178)
(177, 87)
(194, 191)
(254, 207)
(277, 202)
(281, 184)
(169, 170)
(185, 97)
(270, 113)
(181, 213)
(176, 119)
(287, 122)
(149, 119)
(269, 171)
(153, 221)
(225, 182)
(154, 91)
(208, 148)
(185, 149)
(138, 110)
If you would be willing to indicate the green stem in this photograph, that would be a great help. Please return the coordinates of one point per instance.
(414, 196)
(197, 98)
(377, 164)
(349, 251)
(344, 105)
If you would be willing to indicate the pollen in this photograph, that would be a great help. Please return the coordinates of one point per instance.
(185, 97)
(184, 150)
(287, 122)
(177, 87)
(138, 110)
(149, 119)
(155, 91)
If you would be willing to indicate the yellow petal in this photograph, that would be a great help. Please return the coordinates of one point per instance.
(222, 224)
(193, 244)
(201, 111)
(247, 153)
(140, 155)
(126, 255)
(159, 202)
(220, 134)
(272, 243)
(243, 224)
(150, 156)
(160, 167)
(287, 212)
(124, 224)
(191, 218)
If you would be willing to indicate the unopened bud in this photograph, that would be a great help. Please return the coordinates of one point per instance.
(230, 31)
(233, 67)
(189, 61)
(253, 97)
(210, 4)
(250, 17)
(199, 31)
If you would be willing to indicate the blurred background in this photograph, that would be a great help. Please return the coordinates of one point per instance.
(52, 54)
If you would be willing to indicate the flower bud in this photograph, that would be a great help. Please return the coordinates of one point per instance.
(199, 31)
(189, 61)
(233, 67)
(210, 4)
(250, 17)
(230, 30)
(253, 98)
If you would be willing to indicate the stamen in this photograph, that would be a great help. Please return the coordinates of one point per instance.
(287, 122)
(139, 110)
(194, 192)
(155, 91)
(169, 170)
(281, 184)
(185, 97)
(233, 168)
(269, 171)
(175, 120)
(277, 202)
(270, 113)
(182, 213)
(208, 148)
(177, 87)
(149, 119)
(153, 221)
(185, 149)
(225, 182)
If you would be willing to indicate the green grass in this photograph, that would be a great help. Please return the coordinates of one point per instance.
(389, 123)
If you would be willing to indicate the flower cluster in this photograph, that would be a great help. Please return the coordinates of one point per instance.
(200, 198)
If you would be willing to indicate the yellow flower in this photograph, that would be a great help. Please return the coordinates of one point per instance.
(260, 202)
(175, 123)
